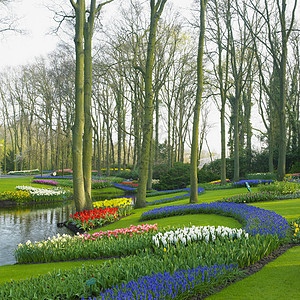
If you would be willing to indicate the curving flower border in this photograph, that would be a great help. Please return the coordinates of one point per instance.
(255, 220)
(166, 285)
(175, 198)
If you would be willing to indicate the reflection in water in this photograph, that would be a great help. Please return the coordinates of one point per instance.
(35, 224)
(18, 225)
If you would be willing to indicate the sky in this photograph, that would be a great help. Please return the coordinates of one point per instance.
(37, 20)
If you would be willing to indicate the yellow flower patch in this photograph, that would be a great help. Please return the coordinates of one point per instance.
(120, 202)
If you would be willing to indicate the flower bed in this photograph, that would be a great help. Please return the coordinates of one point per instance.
(17, 196)
(254, 219)
(48, 182)
(175, 198)
(251, 182)
(251, 197)
(132, 184)
(51, 177)
(156, 193)
(295, 230)
(192, 234)
(158, 263)
(124, 205)
(166, 285)
(124, 188)
(100, 184)
(123, 241)
(97, 217)
(218, 181)
(38, 194)
(23, 172)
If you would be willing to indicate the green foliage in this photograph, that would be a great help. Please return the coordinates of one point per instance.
(159, 170)
(251, 197)
(129, 174)
(65, 183)
(179, 177)
(65, 173)
(295, 168)
(216, 186)
(100, 184)
(112, 179)
(261, 176)
(65, 247)
(17, 196)
(282, 187)
(295, 231)
(215, 167)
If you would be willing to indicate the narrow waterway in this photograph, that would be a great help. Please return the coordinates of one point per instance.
(18, 225)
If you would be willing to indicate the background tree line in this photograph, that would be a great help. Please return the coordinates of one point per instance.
(251, 68)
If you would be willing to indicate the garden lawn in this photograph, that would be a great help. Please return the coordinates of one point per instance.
(290, 209)
(18, 272)
(9, 184)
(277, 280)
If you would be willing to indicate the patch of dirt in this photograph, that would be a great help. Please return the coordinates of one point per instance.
(252, 269)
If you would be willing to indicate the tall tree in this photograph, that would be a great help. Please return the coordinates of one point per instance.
(195, 136)
(156, 11)
(82, 149)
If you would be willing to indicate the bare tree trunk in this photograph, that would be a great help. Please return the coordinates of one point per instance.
(194, 148)
(156, 11)
(78, 181)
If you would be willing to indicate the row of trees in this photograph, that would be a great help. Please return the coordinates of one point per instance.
(251, 60)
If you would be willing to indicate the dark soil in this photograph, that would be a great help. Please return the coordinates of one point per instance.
(252, 269)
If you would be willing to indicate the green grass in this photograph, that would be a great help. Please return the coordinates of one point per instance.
(277, 280)
(290, 209)
(18, 272)
(9, 184)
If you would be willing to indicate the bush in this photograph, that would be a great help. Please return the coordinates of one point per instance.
(128, 174)
(215, 167)
(100, 184)
(178, 177)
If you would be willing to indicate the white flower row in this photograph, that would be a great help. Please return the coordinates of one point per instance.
(41, 192)
(54, 240)
(23, 171)
(200, 233)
